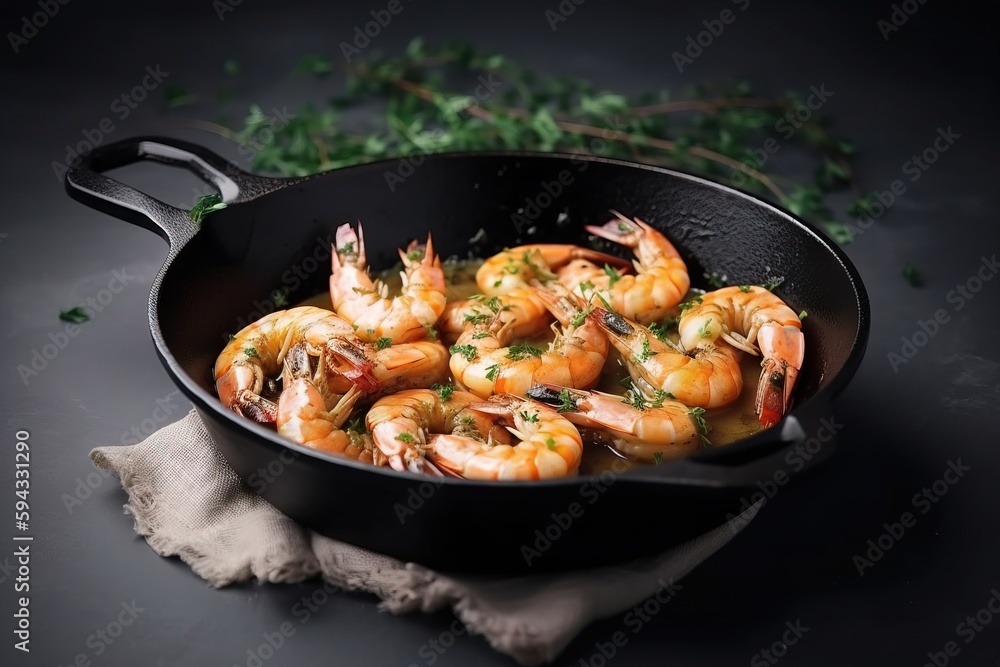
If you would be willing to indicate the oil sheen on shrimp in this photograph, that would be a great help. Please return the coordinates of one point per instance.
(708, 376)
(258, 352)
(661, 429)
(402, 423)
(548, 446)
(752, 319)
(482, 364)
(366, 303)
(517, 267)
(661, 278)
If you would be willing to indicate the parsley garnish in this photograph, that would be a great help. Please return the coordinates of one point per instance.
(477, 317)
(586, 285)
(566, 402)
(415, 255)
(745, 289)
(550, 443)
(773, 282)
(444, 390)
(715, 280)
(346, 249)
(580, 317)
(206, 205)
(467, 351)
(406, 437)
(657, 458)
(704, 331)
(480, 334)
(531, 417)
(357, 425)
(803, 315)
(519, 352)
(432, 333)
(687, 305)
(698, 416)
(912, 276)
(251, 352)
(491, 371)
(613, 274)
(76, 315)
(383, 343)
(645, 353)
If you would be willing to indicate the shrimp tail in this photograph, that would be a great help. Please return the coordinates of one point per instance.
(622, 230)
(234, 391)
(783, 349)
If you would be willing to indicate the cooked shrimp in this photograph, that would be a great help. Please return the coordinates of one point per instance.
(484, 365)
(756, 321)
(401, 424)
(302, 415)
(708, 376)
(517, 267)
(661, 280)
(661, 429)
(366, 304)
(258, 352)
(549, 445)
(521, 311)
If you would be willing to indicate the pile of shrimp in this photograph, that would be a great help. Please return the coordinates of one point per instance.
(453, 388)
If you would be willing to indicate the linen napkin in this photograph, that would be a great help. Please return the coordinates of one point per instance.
(187, 502)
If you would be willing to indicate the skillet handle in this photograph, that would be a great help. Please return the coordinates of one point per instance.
(808, 439)
(86, 183)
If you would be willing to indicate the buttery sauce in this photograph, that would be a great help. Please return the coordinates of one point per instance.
(727, 425)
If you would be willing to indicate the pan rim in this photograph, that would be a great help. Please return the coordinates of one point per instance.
(206, 401)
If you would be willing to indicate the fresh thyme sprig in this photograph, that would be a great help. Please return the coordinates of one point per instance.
(429, 107)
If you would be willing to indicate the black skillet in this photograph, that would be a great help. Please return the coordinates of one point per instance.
(274, 235)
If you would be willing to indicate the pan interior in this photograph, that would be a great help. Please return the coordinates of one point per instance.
(228, 275)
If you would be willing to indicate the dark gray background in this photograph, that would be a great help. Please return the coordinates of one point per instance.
(793, 562)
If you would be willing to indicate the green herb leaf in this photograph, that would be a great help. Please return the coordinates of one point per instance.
(204, 206)
(613, 274)
(803, 315)
(773, 282)
(745, 289)
(443, 390)
(912, 276)
(383, 343)
(715, 280)
(698, 416)
(523, 351)
(580, 317)
(550, 443)
(491, 371)
(704, 330)
(467, 351)
(657, 458)
(76, 315)
(566, 402)
(251, 352)
(531, 417)
(406, 437)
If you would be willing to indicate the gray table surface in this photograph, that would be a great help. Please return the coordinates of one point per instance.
(796, 560)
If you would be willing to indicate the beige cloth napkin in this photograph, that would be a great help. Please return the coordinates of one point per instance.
(187, 502)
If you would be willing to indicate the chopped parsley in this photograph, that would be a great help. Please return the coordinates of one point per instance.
(481, 334)
(623, 228)
(704, 331)
(531, 417)
(580, 317)
(660, 330)
(523, 351)
(912, 276)
(645, 353)
(803, 315)
(586, 285)
(512, 269)
(76, 315)
(550, 443)
(415, 255)
(698, 416)
(467, 351)
(566, 402)
(383, 343)
(251, 352)
(357, 425)
(206, 205)
(657, 458)
(613, 274)
(715, 280)
(406, 437)
(443, 390)
(687, 305)
(432, 333)
(745, 289)
(491, 371)
(346, 249)
(773, 282)
(476, 317)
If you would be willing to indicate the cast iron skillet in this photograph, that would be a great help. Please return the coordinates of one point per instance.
(275, 234)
